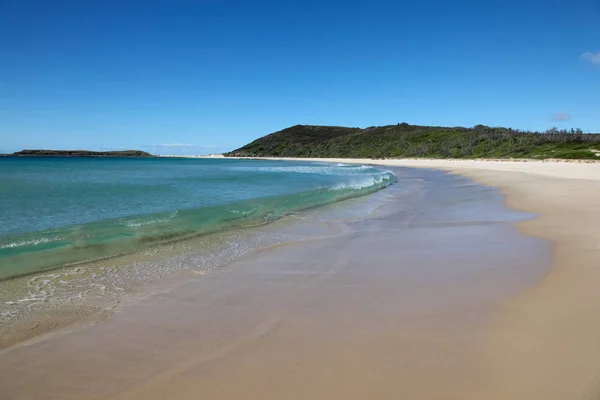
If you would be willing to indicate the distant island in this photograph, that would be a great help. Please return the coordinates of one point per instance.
(404, 140)
(81, 153)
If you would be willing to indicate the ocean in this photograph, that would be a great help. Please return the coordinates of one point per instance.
(58, 212)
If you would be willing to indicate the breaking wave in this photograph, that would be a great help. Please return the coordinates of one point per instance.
(30, 252)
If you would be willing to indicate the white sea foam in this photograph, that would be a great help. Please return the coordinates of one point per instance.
(366, 182)
(243, 213)
(135, 223)
(338, 169)
(25, 243)
(360, 178)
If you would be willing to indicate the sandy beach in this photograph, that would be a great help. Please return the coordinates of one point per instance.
(545, 343)
(350, 317)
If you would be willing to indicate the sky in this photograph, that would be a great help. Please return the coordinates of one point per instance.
(204, 76)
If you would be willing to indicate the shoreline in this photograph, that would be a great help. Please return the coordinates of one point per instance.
(368, 310)
(539, 343)
(38, 300)
(545, 342)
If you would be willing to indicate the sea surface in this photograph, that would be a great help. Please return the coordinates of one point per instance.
(68, 211)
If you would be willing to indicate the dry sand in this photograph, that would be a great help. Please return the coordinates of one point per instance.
(303, 333)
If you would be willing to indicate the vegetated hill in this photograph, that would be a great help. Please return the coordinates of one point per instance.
(404, 140)
(82, 153)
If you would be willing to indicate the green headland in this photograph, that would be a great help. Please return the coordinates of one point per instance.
(404, 140)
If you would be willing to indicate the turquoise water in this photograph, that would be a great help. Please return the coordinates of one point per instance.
(63, 211)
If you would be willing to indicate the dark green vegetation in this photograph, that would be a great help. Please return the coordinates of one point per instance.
(82, 153)
(404, 140)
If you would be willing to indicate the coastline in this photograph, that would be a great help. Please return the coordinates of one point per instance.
(49, 288)
(545, 342)
(540, 343)
(373, 304)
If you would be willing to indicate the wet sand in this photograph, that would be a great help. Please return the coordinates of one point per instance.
(545, 343)
(440, 300)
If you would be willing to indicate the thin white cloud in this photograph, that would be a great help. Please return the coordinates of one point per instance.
(561, 116)
(594, 58)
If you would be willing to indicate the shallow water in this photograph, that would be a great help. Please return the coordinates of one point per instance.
(64, 211)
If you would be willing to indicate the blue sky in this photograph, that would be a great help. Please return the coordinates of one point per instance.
(177, 77)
